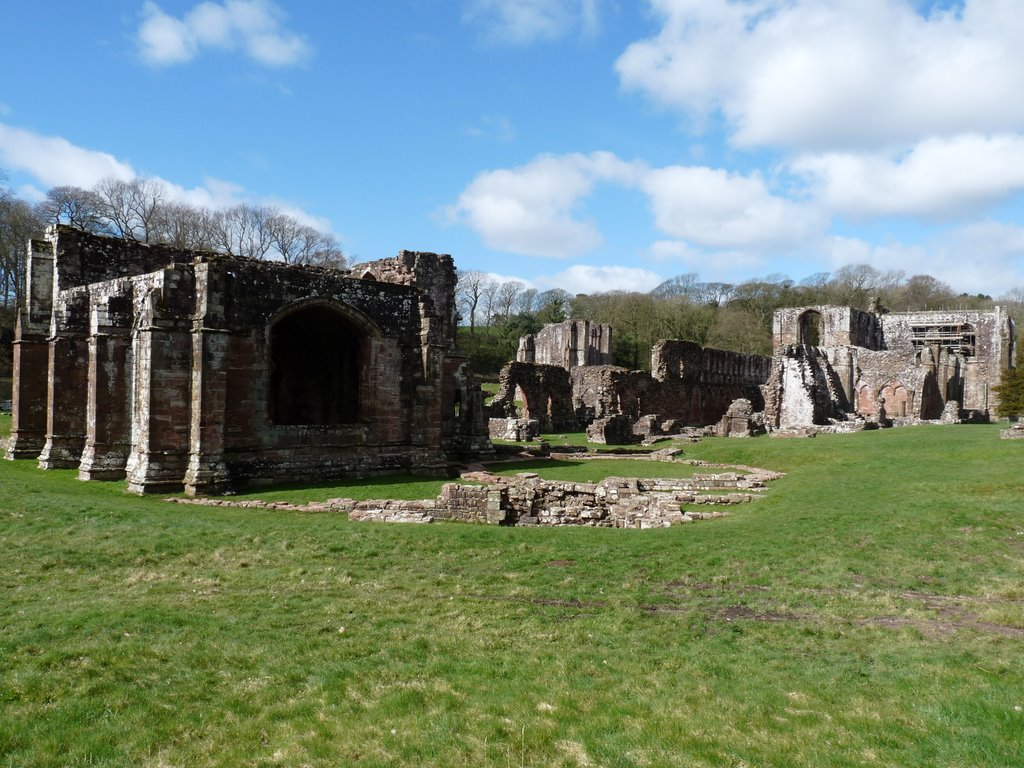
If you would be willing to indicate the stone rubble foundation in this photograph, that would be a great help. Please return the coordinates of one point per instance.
(526, 499)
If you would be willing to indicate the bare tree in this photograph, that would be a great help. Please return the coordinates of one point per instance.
(319, 249)
(245, 230)
(468, 291)
(508, 294)
(18, 223)
(527, 301)
(73, 206)
(185, 226)
(129, 209)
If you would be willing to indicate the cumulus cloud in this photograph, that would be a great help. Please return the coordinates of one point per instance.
(529, 210)
(728, 265)
(581, 278)
(983, 257)
(838, 74)
(938, 176)
(520, 22)
(53, 160)
(715, 208)
(533, 209)
(253, 26)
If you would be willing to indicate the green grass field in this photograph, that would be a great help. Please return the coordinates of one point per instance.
(868, 611)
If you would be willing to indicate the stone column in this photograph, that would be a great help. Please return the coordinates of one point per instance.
(32, 355)
(162, 364)
(108, 428)
(207, 472)
(67, 385)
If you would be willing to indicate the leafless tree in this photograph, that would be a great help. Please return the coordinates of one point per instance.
(468, 292)
(18, 223)
(129, 209)
(185, 226)
(73, 206)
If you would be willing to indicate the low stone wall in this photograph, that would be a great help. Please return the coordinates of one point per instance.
(526, 499)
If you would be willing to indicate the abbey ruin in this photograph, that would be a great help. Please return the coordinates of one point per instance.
(204, 372)
(832, 368)
(838, 364)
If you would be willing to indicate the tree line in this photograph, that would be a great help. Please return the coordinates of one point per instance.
(729, 316)
(144, 210)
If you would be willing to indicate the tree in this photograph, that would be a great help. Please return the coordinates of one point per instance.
(468, 291)
(18, 223)
(73, 206)
(554, 306)
(923, 292)
(185, 226)
(1011, 386)
(130, 209)
(505, 299)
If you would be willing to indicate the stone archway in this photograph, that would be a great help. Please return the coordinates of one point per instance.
(316, 357)
(897, 399)
(811, 325)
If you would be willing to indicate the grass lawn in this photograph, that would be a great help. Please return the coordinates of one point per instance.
(868, 611)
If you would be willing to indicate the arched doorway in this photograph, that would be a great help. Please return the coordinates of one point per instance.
(810, 328)
(315, 360)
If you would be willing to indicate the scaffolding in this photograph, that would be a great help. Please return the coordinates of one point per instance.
(958, 338)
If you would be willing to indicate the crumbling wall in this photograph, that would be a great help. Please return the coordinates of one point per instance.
(803, 389)
(601, 391)
(568, 344)
(901, 366)
(546, 394)
(211, 371)
(970, 348)
(835, 327)
(697, 384)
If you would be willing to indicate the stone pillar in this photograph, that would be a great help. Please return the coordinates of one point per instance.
(32, 355)
(108, 427)
(207, 472)
(67, 385)
(162, 364)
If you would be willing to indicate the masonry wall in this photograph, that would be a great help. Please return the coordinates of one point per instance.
(212, 372)
(569, 344)
(907, 365)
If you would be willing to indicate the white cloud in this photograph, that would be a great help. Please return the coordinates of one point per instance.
(254, 26)
(984, 257)
(31, 193)
(714, 208)
(720, 265)
(54, 161)
(582, 278)
(521, 22)
(840, 73)
(936, 177)
(529, 210)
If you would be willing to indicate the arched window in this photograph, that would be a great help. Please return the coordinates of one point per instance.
(315, 356)
(810, 328)
(896, 399)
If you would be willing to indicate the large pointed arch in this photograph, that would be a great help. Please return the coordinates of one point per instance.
(318, 348)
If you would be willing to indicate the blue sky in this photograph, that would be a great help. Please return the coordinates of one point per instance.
(584, 144)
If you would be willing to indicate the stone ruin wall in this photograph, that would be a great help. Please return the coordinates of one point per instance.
(690, 385)
(568, 344)
(902, 366)
(199, 370)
